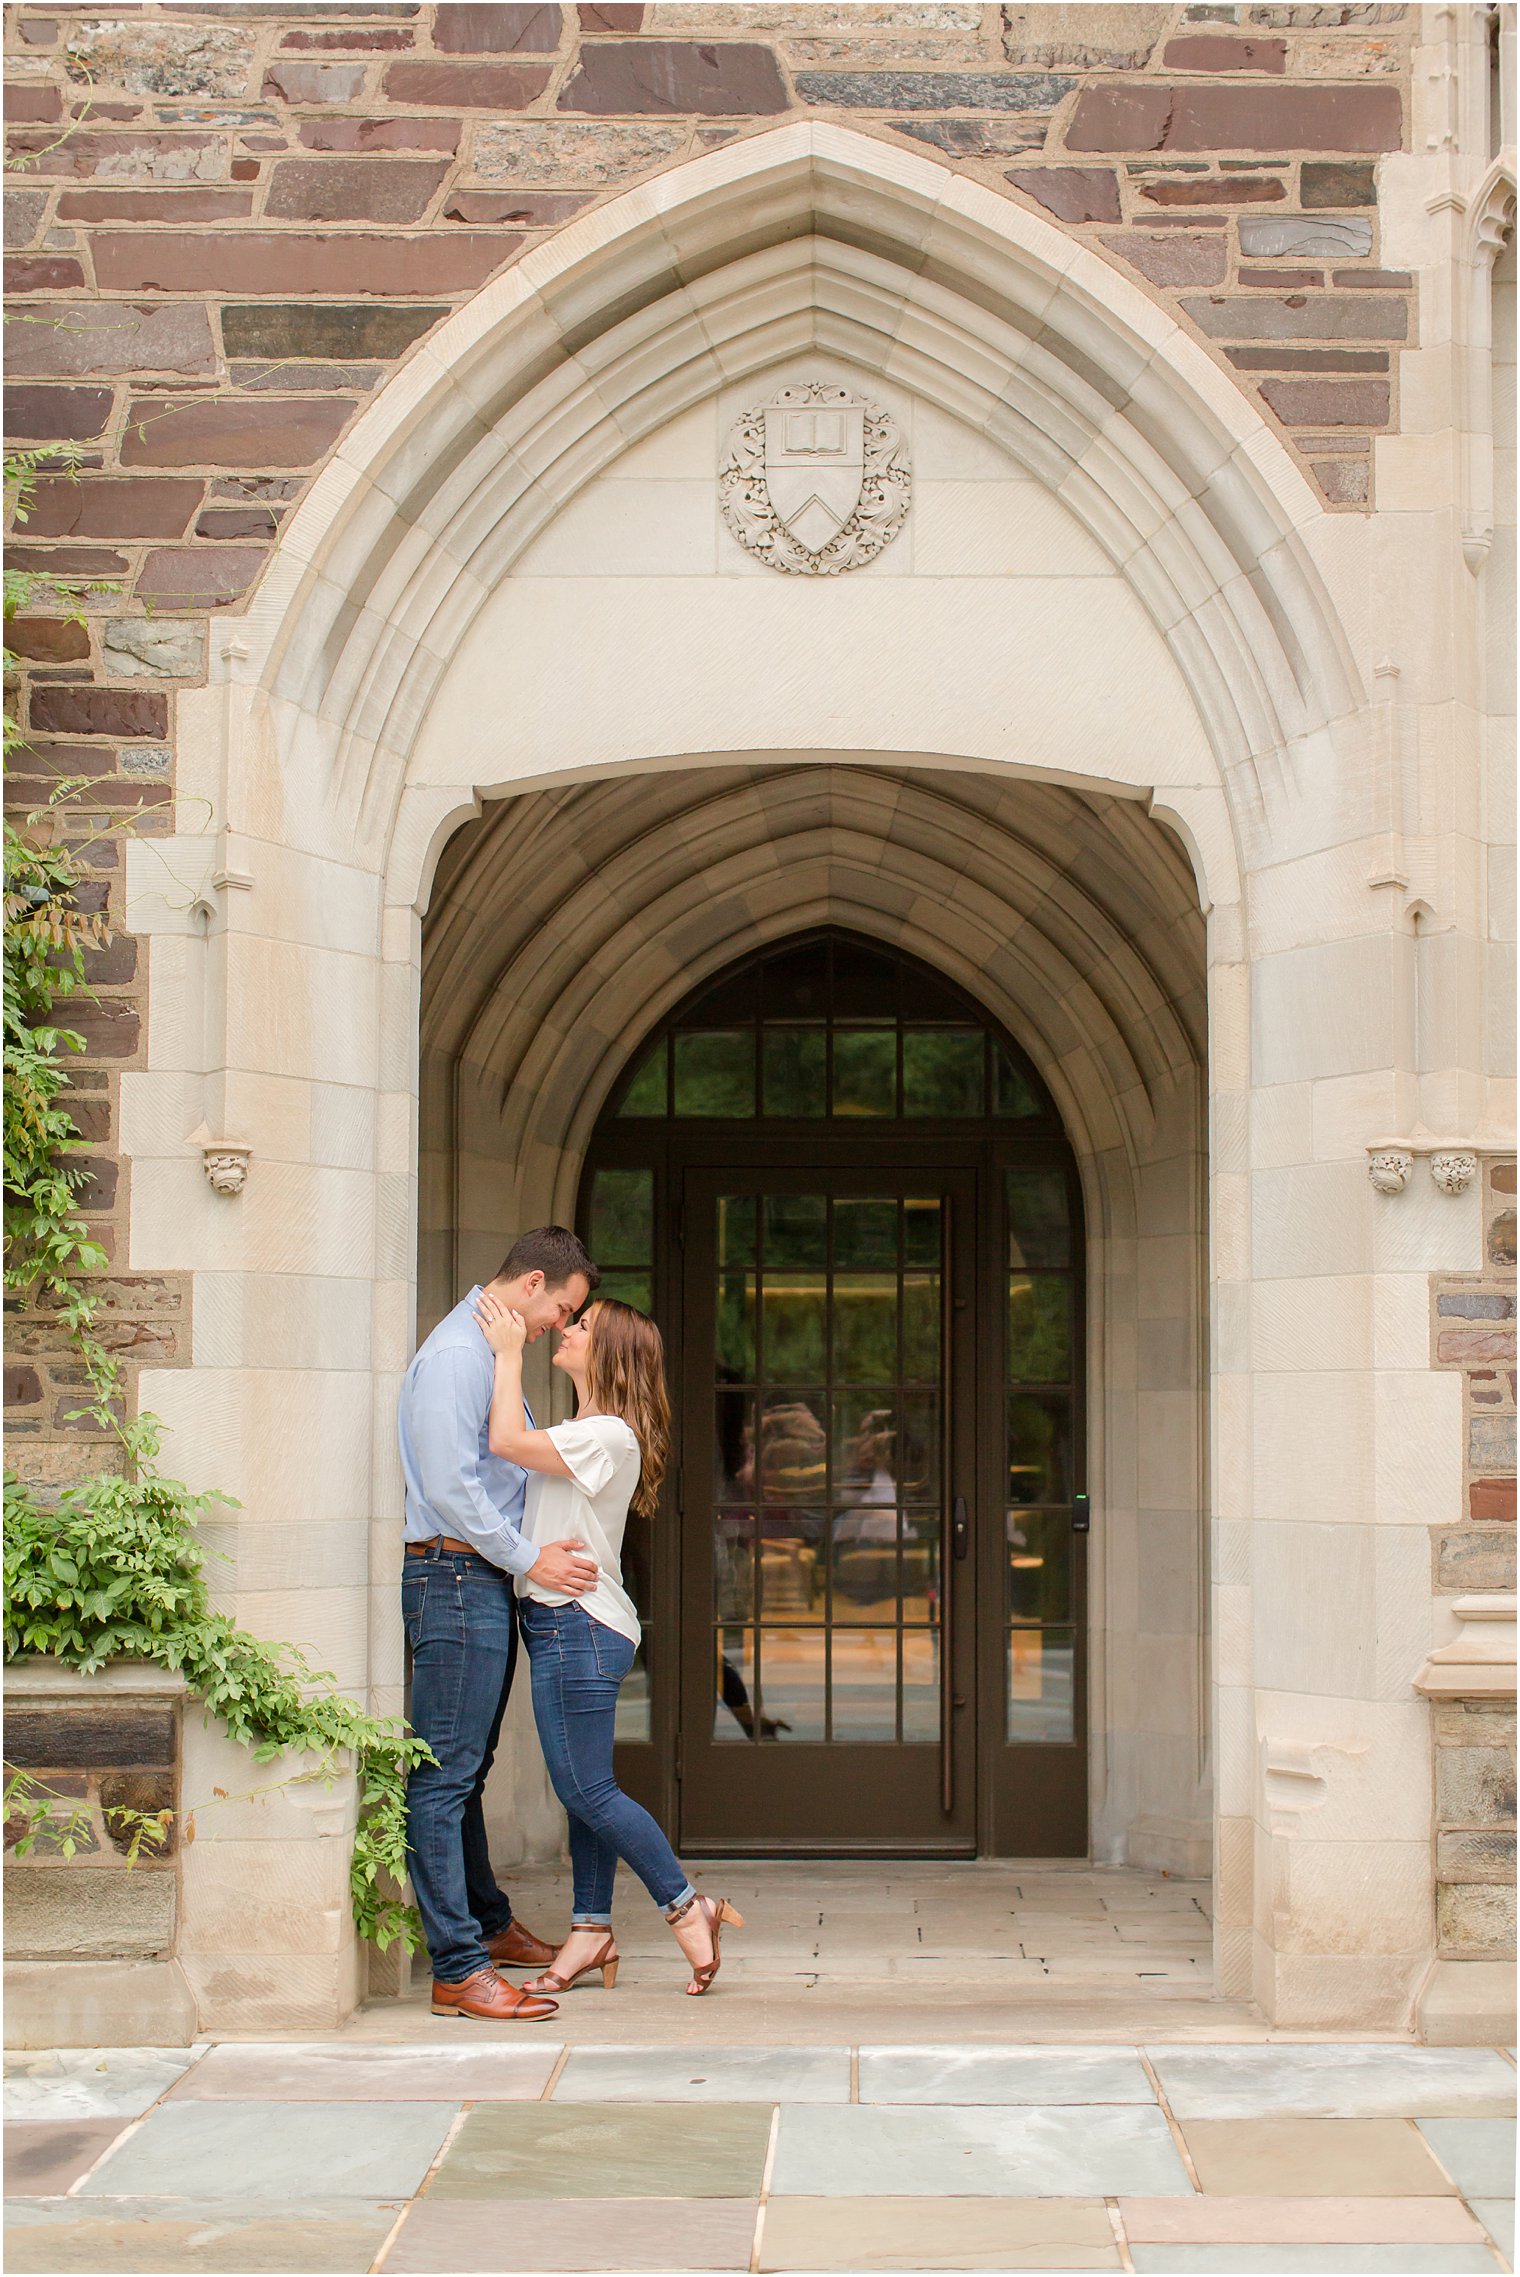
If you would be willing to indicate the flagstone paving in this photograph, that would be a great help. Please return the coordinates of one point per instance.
(710, 2157)
(904, 2067)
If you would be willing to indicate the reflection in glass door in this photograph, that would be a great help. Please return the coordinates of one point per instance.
(825, 1511)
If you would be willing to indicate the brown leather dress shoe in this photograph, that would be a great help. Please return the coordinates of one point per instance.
(517, 1948)
(485, 1995)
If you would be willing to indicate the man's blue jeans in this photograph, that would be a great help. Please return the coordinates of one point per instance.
(578, 1665)
(461, 1625)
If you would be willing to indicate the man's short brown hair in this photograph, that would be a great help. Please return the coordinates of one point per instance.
(552, 1250)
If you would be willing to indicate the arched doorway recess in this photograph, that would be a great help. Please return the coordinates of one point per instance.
(568, 933)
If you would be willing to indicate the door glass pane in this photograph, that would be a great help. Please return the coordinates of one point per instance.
(1039, 1218)
(920, 1565)
(921, 1328)
(736, 1229)
(1039, 1447)
(1039, 1565)
(736, 1327)
(1039, 1328)
(793, 1447)
(734, 1691)
(795, 1230)
(918, 1446)
(865, 1234)
(864, 1564)
(920, 1687)
(631, 1720)
(794, 1319)
(863, 1663)
(795, 1064)
(734, 1446)
(865, 1071)
(1041, 1684)
(791, 1574)
(715, 1073)
(646, 1093)
(865, 1445)
(1013, 1094)
(921, 1230)
(793, 1693)
(865, 1327)
(944, 1071)
(734, 1538)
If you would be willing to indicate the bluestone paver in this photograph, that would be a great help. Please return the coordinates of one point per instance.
(91, 2083)
(1335, 2082)
(705, 2075)
(586, 2150)
(161, 2237)
(952, 2233)
(1313, 2158)
(1478, 2154)
(42, 2161)
(1312, 2260)
(458, 2235)
(898, 2151)
(284, 2152)
(294, 2073)
(1003, 2075)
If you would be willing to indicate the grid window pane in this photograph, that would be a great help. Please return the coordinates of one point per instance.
(622, 1217)
(865, 1327)
(629, 1288)
(1039, 1565)
(793, 1325)
(791, 1567)
(865, 1071)
(795, 1230)
(1039, 1218)
(1041, 1684)
(794, 1448)
(920, 1688)
(793, 1683)
(863, 1564)
(1039, 1328)
(1039, 1447)
(631, 1717)
(944, 1071)
(863, 1664)
(734, 1691)
(715, 1073)
(795, 1063)
(646, 1093)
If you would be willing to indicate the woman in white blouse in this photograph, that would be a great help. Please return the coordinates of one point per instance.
(583, 1479)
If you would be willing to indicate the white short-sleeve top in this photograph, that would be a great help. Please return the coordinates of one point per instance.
(590, 1506)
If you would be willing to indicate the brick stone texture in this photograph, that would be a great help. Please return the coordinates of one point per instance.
(93, 1765)
(1475, 1829)
(230, 224)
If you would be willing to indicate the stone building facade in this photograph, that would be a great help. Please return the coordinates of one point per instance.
(397, 351)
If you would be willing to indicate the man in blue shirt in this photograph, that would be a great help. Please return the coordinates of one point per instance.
(464, 1545)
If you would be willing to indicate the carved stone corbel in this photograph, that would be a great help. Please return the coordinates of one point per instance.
(226, 1164)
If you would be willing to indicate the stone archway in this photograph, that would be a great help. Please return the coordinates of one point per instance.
(563, 925)
(389, 677)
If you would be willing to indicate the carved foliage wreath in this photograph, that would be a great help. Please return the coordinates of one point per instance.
(879, 511)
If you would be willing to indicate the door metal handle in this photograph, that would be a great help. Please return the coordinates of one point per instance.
(960, 1528)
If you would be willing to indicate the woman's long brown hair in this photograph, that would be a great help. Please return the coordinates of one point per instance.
(625, 1375)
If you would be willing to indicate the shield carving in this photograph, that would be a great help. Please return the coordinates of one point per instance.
(815, 481)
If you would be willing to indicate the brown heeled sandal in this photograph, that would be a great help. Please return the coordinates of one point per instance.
(714, 1913)
(606, 1960)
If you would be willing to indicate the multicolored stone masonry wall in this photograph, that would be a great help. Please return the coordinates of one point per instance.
(1475, 1829)
(228, 224)
(1473, 1330)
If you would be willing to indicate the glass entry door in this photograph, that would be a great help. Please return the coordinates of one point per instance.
(826, 1458)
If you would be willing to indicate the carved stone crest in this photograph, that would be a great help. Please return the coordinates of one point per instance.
(226, 1165)
(816, 481)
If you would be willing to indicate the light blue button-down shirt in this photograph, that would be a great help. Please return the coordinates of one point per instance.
(454, 1484)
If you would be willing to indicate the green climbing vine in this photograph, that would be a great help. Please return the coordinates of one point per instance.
(113, 1569)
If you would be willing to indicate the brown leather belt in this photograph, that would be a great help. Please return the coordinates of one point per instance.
(442, 1541)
